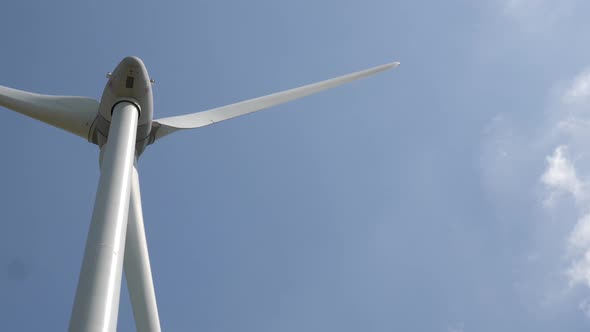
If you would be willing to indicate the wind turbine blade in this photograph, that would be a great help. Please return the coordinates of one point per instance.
(137, 265)
(165, 126)
(72, 114)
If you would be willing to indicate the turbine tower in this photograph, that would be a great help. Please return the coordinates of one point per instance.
(122, 125)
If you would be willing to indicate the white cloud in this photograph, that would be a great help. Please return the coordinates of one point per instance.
(559, 141)
(566, 174)
(560, 176)
(552, 146)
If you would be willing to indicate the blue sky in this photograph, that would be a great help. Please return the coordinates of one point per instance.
(450, 194)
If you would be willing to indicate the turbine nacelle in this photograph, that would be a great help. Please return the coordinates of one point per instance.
(129, 82)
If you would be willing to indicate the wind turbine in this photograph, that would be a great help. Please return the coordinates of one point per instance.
(122, 125)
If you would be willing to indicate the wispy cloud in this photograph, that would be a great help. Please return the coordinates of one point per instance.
(579, 90)
(522, 7)
(559, 140)
(579, 246)
(538, 16)
(585, 307)
(527, 9)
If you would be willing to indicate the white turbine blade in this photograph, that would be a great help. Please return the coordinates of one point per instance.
(166, 126)
(72, 114)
